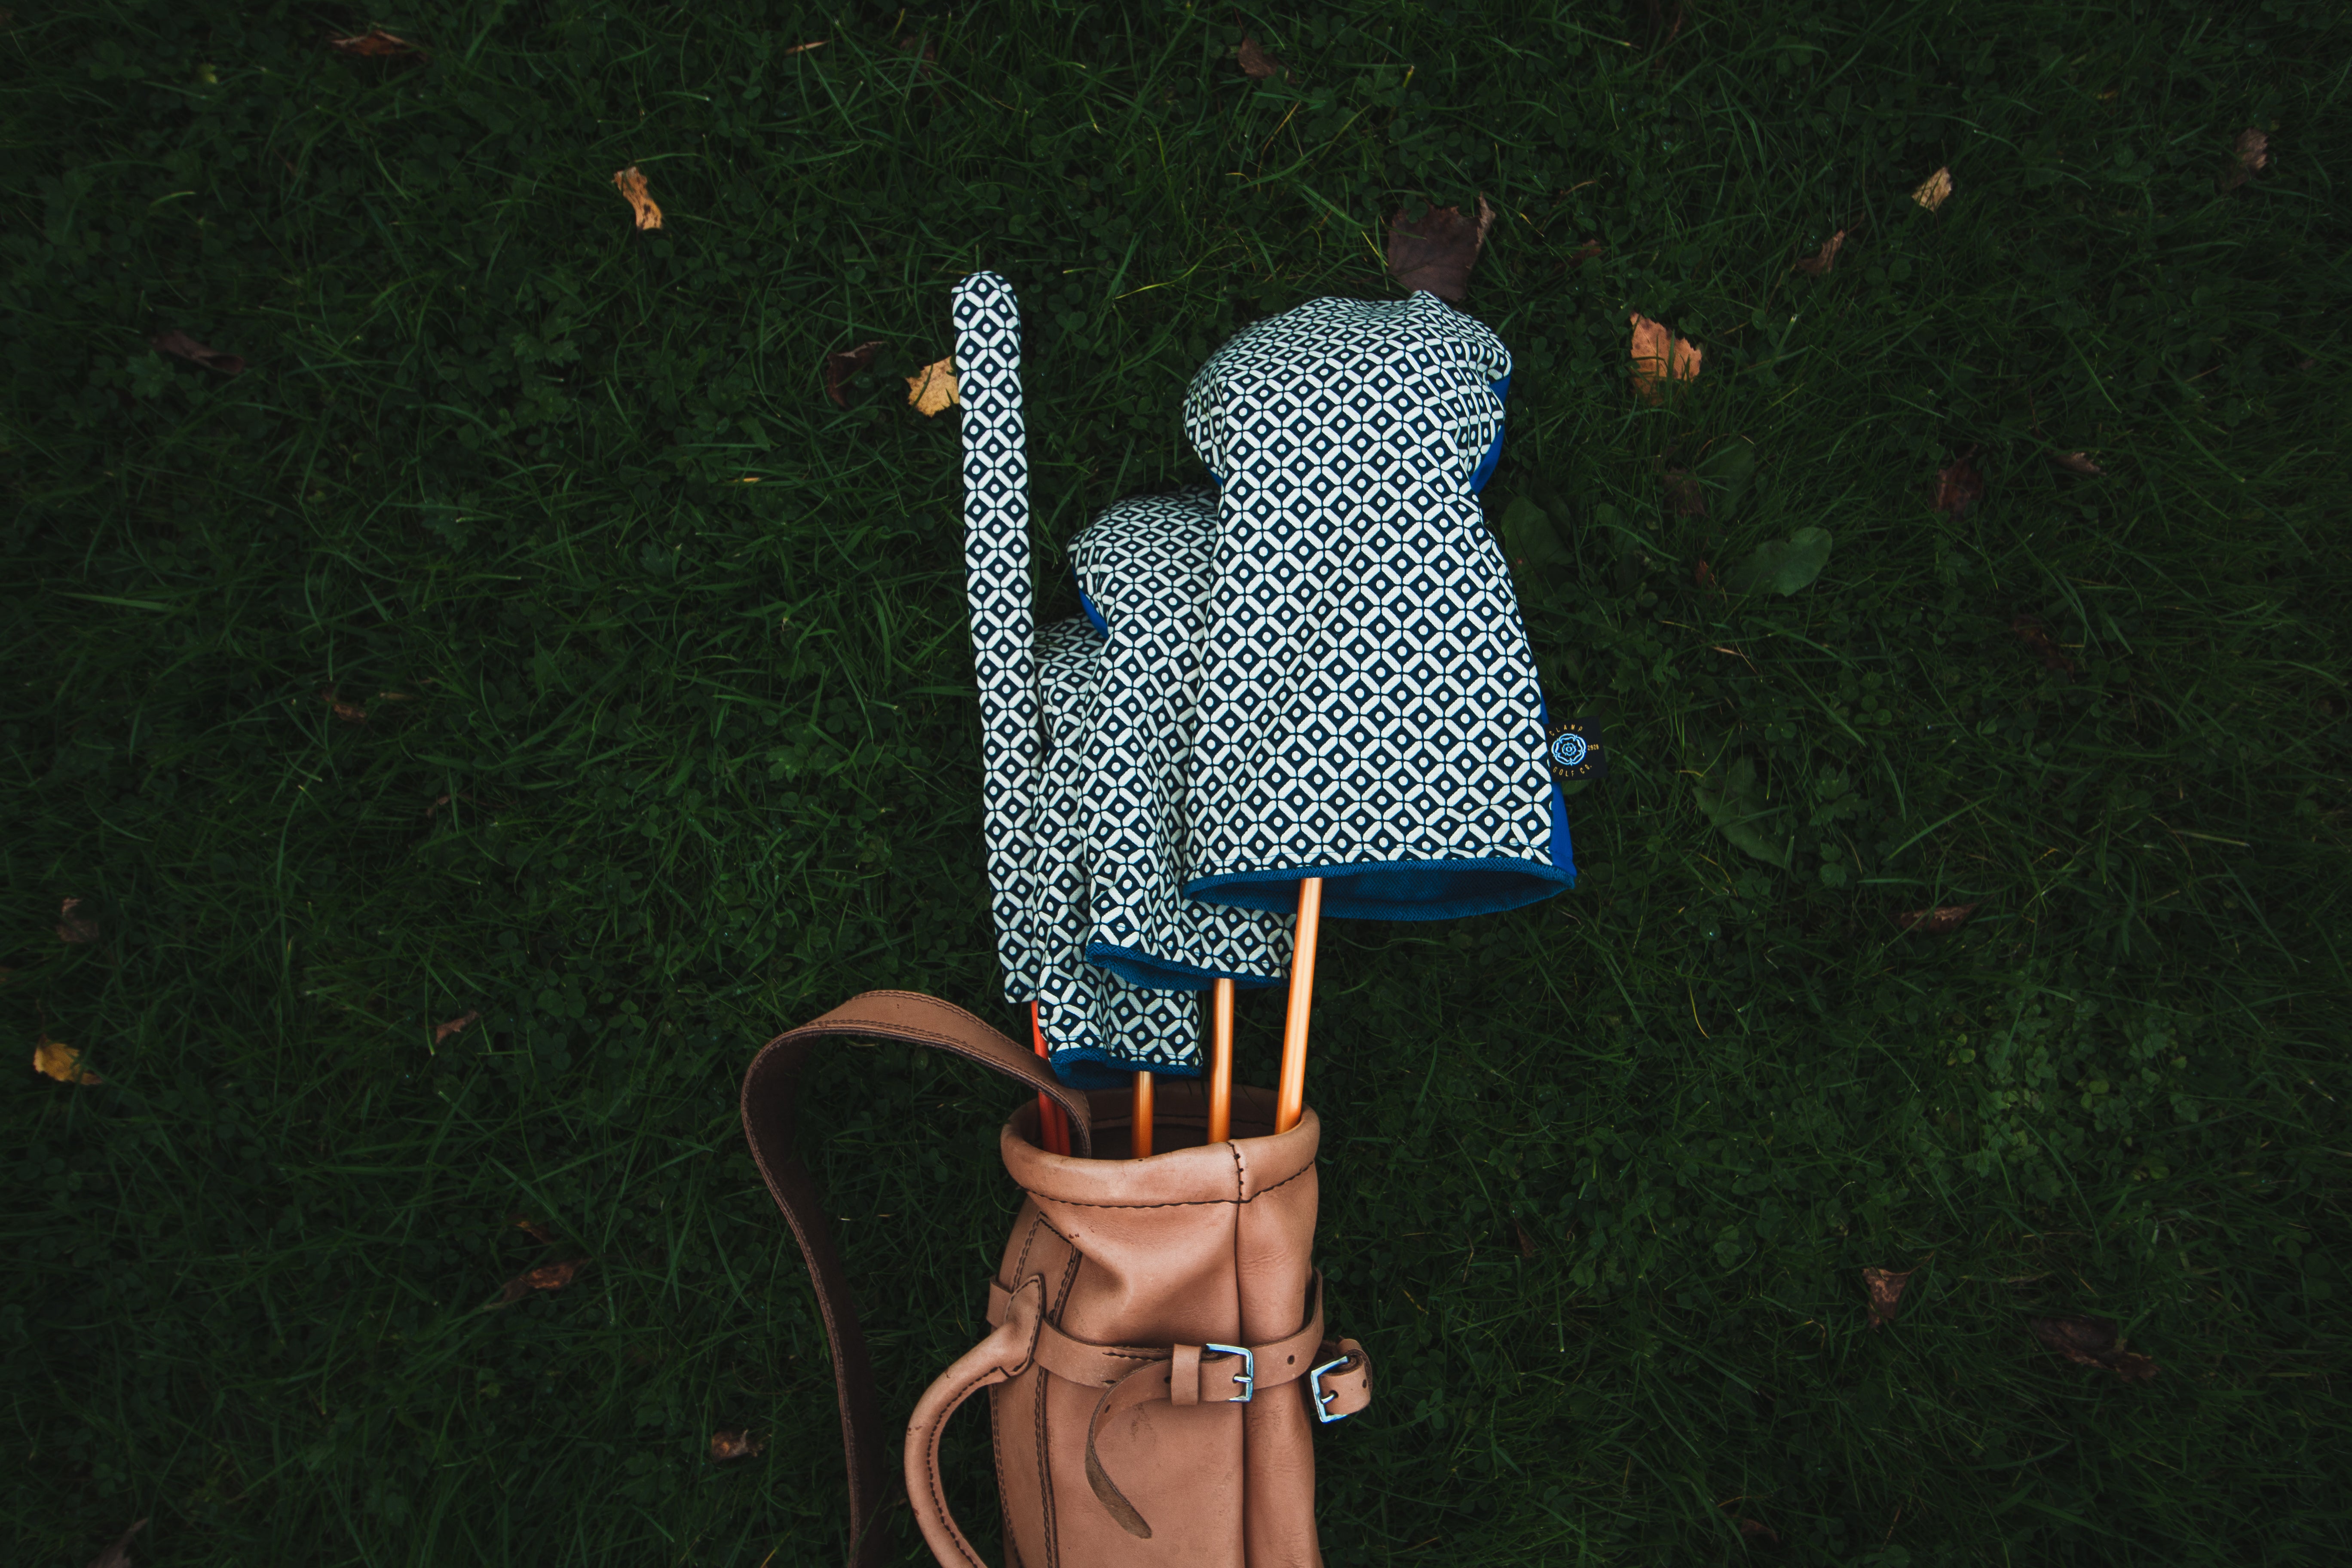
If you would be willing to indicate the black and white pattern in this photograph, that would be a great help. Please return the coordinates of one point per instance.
(1369, 706)
(1317, 668)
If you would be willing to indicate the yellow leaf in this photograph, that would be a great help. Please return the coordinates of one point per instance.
(934, 388)
(57, 1059)
(1934, 190)
(1659, 357)
(633, 186)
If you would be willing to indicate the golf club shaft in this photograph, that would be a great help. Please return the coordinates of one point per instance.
(1139, 1144)
(1290, 1094)
(1221, 1061)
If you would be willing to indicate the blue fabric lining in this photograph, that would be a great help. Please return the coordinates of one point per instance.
(1139, 968)
(1100, 1069)
(1494, 455)
(1403, 889)
(1095, 617)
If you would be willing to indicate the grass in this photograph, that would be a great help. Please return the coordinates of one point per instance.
(677, 758)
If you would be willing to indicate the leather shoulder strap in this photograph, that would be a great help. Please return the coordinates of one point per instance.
(769, 1088)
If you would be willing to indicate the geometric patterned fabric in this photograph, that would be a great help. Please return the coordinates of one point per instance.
(1369, 711)
(1317, 669)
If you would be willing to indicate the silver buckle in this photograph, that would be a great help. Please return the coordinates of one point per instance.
(1246, 1377)
(1324, 1397)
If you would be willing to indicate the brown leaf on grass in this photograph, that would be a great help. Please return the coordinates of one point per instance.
(733, 1446)
(2076, 463)
(554, 1277)
(1256, 63)
(1958, 486)
(632, 186)
(2091, 1341)
(456, 1026)
(374, 44)
(1942, 919)
(118, 1554)
(2033, 634)
(840, 367)
(1592, 249)
(932, 389)
(1436, 250)
(536, 1231)
(74, 923)
(1885, 1287)
(1705, 575)
(61, 1061)
(1685, 497)
(1934, 190)
(812, 44)
(2254, 154)
(1528, 1247)
(1660, 357)
(181, 346)
(1816, 266)
(1755, 1527)
(349, 712)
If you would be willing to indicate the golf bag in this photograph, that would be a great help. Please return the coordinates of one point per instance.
(1157, 1360)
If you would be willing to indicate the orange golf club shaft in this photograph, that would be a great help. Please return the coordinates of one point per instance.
(1221, 1061)
(1290, 1093)
(1139, 1142)
(1051, 1126)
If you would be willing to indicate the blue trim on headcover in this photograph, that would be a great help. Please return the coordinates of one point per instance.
(1100, 1069)
(1094, 615)
(1494, 455)
(1396, 889)
(1139, 968)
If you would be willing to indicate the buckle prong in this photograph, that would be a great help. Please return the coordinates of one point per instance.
(1246, 1377)
(1324, 1397)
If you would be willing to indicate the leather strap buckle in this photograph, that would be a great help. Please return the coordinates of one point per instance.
(1324, 1397)
(1246, 1377)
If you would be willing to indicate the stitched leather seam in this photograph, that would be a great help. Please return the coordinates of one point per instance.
(1191, 1204)
(931, 1464)
(1045, 1477)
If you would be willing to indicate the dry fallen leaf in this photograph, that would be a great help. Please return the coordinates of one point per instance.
(632, 186)
(75, 923)
(733, 1446)
(1659, 357)
(1957, 485)
(536, 1231)
(1592, 249)
(454, 1025)
(1436, 250)
(57, 1060)
(1885, 1292)
(1937, 922)
(933, 389)
(554, 1277)
(1527, 1247)
(375, 43)
(2253, 151)
(812, 44)
(349, 712)
(1685, 497)
(840, 367)
(1754, 1527)
(1934, 190)
(118, 1554)
(2077, 463)
(1705, 576)
(2033, 634)
(2091, 1341)
(182, 346)
(1255, 62)
(1816, 266)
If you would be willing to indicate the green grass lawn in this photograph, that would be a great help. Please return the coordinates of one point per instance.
(658, 734)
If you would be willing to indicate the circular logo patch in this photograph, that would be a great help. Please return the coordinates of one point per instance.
(1568, 749)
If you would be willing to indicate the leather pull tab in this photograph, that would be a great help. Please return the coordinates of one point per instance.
(1184, 1376)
